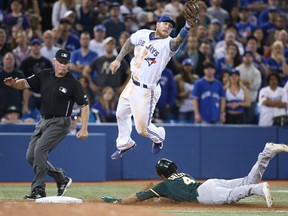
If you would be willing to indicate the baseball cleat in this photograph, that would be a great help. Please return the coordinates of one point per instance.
(277, 148)
(156, 147)
(266, 194)
(119, 153)
(37, 193)
(62, 187)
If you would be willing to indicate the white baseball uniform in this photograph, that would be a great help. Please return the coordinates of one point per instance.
(141, 94)
(267, 113)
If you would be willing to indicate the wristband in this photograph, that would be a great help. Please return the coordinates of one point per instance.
(185, 30)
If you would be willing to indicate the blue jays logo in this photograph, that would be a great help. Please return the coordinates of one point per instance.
(150, 61)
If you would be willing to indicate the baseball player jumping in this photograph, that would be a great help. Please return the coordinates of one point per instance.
(182, 187)
(152, 51)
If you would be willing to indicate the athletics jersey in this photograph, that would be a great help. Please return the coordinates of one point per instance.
(151, 56)
(179, 187)
(238, 97)
(267, 112)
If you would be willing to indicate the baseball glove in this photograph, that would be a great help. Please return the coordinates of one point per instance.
(191, 13)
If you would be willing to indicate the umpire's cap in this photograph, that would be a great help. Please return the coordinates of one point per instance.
(169, 19)
(63, 56)
(165, 168)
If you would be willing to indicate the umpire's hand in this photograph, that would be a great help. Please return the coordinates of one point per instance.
(82, 134)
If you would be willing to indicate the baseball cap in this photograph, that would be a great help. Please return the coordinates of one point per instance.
(36, 41)
(108, 39)
(215, 21)
(63, 56)
(114, 4)
(99, 28)
(209, 65)
(68, 13)
(12, 109)
(166, 18)
(234, 71)
(272, 9)
(102, 2)
(187, 61)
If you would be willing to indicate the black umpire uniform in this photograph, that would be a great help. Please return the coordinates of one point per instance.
(58, 95)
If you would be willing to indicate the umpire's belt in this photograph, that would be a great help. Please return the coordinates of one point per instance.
(142, 84)
(50, 116)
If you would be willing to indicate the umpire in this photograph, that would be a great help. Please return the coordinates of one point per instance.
(59, 90)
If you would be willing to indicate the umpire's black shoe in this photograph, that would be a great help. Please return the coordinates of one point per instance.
(36, 194)
(62, 187)
(119, 153)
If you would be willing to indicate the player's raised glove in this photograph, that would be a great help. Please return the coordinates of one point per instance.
(110, 199)
(191, 13)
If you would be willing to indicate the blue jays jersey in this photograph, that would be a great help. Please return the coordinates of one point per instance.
(151, 56)
(209, 95)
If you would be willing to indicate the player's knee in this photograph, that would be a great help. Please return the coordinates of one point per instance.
(142, 131)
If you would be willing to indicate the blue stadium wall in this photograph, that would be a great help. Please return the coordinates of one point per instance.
(202, 151)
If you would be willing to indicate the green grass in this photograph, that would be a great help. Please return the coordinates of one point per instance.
(92, 192)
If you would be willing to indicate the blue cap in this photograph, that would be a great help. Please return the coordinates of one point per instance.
(99, 28)
(167, 19)
(187, 61)
(234, 71)
(36, 41)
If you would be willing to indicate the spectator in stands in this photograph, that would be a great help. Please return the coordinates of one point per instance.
(173, 8)
(96, 44)
(263, 16)
(12, 116)
(231, 60)
(46, 13)
(250, 76)
(244, 26)
(48, 50)
(102, 12)
(23, 50)
(12, 40)
(71, 17)
(122, 39)
(105, 109)
(205, 55)
(83, 56)
(59, 9)
(99, 74)
(86, 18)
(131, 24)
(229, 38)
(204, 17)
(277, 63)
(234, 15)
(114, 25)
(224, 78)
(281, 24)
(273, 100)
(218, 12)
(209, 98)
(30, 66)
(214, 32)
(279, 35)
(258, 60)
(65, 39)
(130, 8)
(259, 35)
(185, 83)
(36, 27)
(270, 25)
(188, 50)
(237, 98)
(16, 17)
(4, 48)
(10, 97)
(166, 102)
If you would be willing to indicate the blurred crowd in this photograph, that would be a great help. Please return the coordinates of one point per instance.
(241, 44)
